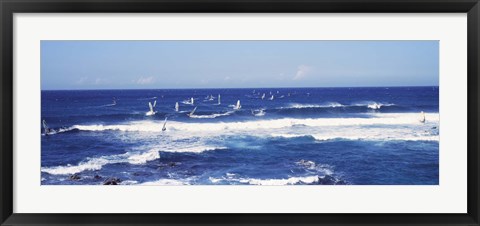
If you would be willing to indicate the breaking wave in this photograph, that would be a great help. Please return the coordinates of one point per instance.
(368, 137)
(212, 115)
(306, 180)
(166, 182)
(327, 105)
(134, 158)
(375, 119)
(98, 163)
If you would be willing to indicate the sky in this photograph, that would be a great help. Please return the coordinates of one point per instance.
(73, 65)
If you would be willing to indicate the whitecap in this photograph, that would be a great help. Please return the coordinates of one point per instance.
(372, 119)
(212, 115)
(367, 134)
(166, 182)
(372, 104)
(194, 149)
(287, 181)
(129, 182)
(326, 105)
(92, 164)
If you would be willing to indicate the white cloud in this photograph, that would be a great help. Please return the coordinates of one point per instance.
(145, 80)
(302, 71)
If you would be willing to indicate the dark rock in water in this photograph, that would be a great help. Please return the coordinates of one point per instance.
(329, 180)
(112, 181)
(74, 177)
(97, 177)
(434, 127)
(172, 164)
(326, 180)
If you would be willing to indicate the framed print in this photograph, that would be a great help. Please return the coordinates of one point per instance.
(232, 112)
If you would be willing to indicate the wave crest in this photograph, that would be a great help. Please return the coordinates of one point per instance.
(97, 163)
(373, 120)
(327, 105)
(212, 115)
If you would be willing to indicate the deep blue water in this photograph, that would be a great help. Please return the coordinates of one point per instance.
(353, 136)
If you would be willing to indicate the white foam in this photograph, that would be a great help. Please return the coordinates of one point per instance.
(212, 115)
(144, 157)
(150, 113)
(323, 137)
(135, 158)
(166, 182)
(369, 104)
(372, 104)
(98, 163)
(129, 182)
(259, 112)
(108, 105)
(276, 182)
(327, 105)
(385, 119)
(94, 164)
(409, 133)
(398, 119)
(194, 149)
(215, 180)
(255, 181)
(60, 130)
(145, 126)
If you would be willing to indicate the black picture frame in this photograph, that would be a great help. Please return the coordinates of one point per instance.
(9, 7)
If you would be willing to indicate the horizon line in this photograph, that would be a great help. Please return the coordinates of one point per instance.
(243, 88)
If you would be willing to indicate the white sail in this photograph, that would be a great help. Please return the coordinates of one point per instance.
(44, 125)
(47, 130)
(150, 106)
(155, 103)
(191, 100)
(164, 124)
(151, 112)
(263, 96)
(176, 106)
(219, 99)
(192, 112)
(422, 117)
(238, 106)
(271, 98)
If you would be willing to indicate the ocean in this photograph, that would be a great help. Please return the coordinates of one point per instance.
(292, 136)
